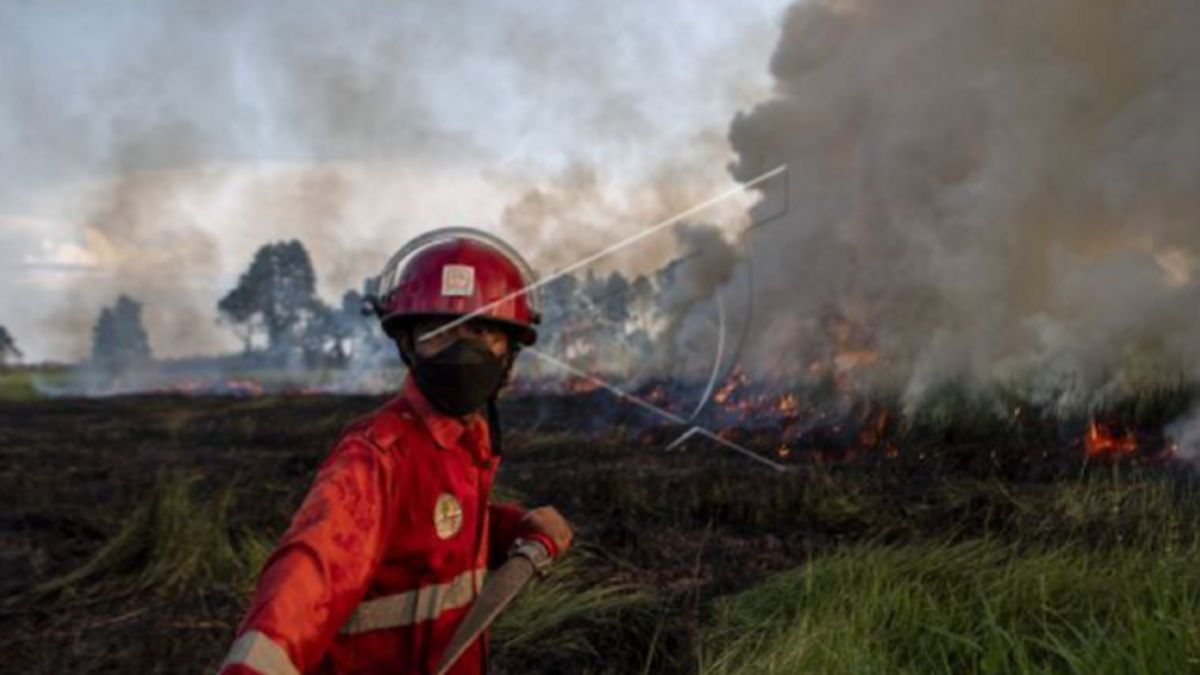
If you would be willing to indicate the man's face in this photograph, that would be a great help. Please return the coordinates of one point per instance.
(480, 332)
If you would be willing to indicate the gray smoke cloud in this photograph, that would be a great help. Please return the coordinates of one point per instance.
(168, 141)
(134, 228)
(984, 192)
(1185, 435)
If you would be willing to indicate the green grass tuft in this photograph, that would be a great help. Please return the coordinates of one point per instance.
(175, 543)
(975, 607)
(565, 618)
(16, 385)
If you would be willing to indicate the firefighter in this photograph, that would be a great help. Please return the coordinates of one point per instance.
(393, 541)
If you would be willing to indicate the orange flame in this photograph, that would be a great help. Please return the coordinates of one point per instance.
(1099, 441)
(245, 387)
(737, 379)
(580, 385)
(657, 395)
(788, 405)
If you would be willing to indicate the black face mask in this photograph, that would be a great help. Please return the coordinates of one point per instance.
(459, 379)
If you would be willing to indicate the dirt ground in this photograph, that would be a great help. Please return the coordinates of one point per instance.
(691, 525)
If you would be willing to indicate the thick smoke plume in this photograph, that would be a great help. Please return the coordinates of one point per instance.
(985, 192)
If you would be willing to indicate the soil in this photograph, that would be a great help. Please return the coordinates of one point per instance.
(693, 524)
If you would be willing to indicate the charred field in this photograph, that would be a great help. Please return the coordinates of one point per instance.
(133, 528)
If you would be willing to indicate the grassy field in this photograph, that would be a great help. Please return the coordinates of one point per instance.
(977, 607)
(17, 385)
(134, 517)
(1096, 575)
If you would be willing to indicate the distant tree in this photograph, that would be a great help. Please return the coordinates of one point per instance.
(641, 300)
(593, 287)
(335, 335)
(119, 341)
(356, 328)
(276, 299)
(352, 303)
(370, 287)
(615, 298)
(323, 336)
(643, 288)
(665, 279)
(8, 347)
(558, 298)
(359, 319)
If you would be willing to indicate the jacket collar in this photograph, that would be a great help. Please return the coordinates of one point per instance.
(448, 432)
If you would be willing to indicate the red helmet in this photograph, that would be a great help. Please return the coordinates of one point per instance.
(455, 271)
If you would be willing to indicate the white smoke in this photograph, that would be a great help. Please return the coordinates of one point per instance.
(991, 191)
(172, 139)
(1185, 435)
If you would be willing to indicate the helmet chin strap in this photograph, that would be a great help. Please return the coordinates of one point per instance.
(493, 412)
(495, 438)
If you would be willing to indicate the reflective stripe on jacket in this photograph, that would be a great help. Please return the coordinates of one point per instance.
(385, 555)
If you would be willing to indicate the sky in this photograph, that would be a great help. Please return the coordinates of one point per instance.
(149, 148)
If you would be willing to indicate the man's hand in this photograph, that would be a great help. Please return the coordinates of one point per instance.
(548, 521)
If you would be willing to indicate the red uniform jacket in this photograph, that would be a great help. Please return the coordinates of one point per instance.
(386, 554)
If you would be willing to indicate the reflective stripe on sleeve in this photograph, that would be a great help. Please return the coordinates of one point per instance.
(257, 651)
(413, 607)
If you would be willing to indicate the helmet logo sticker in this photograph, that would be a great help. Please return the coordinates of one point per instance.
(458, 280)
(447, 516)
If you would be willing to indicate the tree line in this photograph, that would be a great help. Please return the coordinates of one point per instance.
(277, 316)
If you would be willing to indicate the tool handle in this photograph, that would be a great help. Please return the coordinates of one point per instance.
(533, 551)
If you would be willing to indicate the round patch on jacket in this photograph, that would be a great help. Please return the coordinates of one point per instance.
(447, 516)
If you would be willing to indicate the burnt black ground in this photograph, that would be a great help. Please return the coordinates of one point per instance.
(690, 525)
